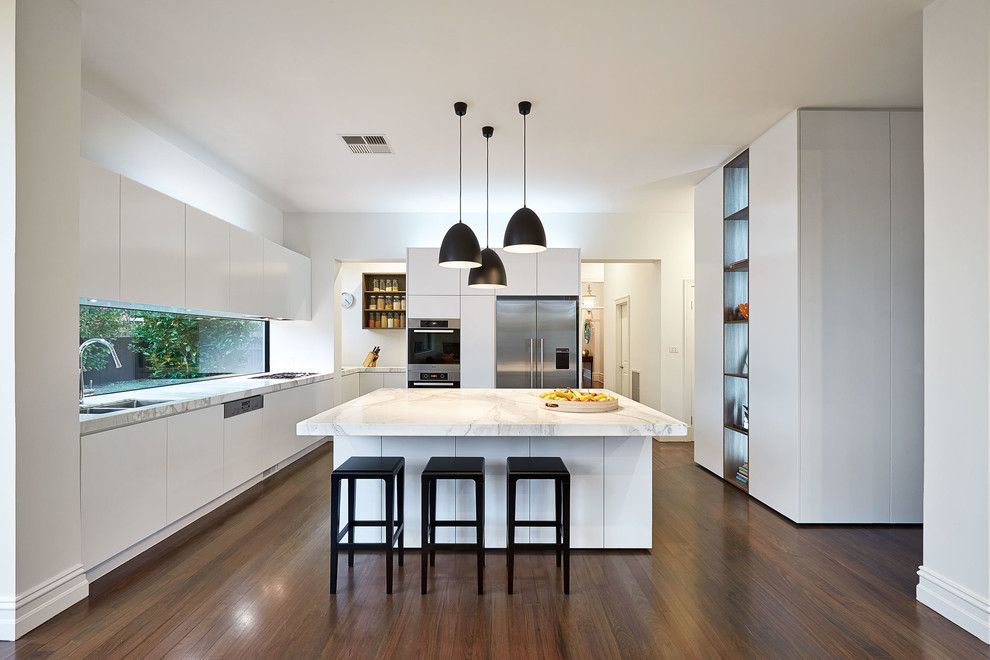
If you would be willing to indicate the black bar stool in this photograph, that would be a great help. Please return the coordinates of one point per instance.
(391, 470)
(450, 467)
(540, 467)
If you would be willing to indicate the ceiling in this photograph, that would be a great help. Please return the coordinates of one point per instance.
(632, 101)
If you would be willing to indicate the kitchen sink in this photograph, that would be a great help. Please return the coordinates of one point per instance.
(117, 406)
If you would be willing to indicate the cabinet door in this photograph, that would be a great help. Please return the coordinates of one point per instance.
(433, 307)
(244, 451)
(369, 382)
(477, 341)
(628, 472)
(99, 232)
(493, 450)
(275, 292)
(298, 293)
(558, 272)
(349, 387)
(247, 272)
(426, 277)
(122, 488)
(207, 261)
(395, 380)
(520, 274)
(279, 418)
(584, 460)
(152, 246)
(195, 461)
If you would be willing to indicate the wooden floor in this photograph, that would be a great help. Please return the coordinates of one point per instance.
(726, 577)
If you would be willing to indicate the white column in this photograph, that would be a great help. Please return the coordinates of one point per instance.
(955, 576)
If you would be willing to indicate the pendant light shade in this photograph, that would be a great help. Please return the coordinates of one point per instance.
(491, 274)
(460, 248)
(525, 233)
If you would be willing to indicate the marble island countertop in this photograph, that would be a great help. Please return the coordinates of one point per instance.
(186, 397)
(481, 412)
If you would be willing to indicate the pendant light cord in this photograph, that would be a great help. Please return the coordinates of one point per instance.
(524, 161)
(486, 192)
(460, 168)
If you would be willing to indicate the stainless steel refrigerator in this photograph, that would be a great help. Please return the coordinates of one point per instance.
(536, 342)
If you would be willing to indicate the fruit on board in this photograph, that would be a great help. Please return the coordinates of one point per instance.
(576, 395)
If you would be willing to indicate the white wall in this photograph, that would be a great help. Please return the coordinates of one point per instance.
(121, 144)
(955, 577)
(355, 342)
(666, 236)
(642, 283)
(45, 447)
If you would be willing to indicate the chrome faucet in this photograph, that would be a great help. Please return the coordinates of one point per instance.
(82, 347)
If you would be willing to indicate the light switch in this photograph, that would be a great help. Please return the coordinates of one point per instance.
(675, 349)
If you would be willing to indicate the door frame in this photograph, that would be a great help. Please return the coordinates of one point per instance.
(619, 302)
(687, 359)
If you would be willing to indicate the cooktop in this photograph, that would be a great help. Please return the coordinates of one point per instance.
(285, 375)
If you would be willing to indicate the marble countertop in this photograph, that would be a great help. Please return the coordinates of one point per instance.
(347, 371)
(481, 412)
(177, 399)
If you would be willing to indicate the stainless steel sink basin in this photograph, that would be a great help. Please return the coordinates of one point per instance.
(117, 406)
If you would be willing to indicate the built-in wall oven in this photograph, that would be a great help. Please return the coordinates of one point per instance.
(434, 358)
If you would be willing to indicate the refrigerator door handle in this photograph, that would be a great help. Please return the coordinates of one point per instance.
(531, 366)
(543, 365)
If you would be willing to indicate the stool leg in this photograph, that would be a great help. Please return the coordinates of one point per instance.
(479, 517)
(566, 488)
(334, 525)
(401, 514)
(433, 517)
(351, 497)
(510, 527)
(424, 527)
(389, 530)
(557, 516)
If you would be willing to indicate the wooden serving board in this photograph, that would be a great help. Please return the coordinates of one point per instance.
(580, 406)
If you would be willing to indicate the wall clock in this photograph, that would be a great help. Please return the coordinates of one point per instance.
(346, 300)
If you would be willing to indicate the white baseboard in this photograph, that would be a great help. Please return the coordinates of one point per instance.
(35, 606)
(966, 609)
(99, 570)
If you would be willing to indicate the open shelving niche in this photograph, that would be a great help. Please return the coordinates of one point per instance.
(735, 330)
(370, 295)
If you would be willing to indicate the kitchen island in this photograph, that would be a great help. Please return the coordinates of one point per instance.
(609, 456)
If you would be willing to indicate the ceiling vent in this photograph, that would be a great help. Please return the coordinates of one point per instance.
(367, 144)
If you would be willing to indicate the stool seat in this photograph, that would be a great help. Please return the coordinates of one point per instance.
(543, 466)
(453, 467)
(370, 466)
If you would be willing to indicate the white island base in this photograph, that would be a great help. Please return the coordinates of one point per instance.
(611, 474)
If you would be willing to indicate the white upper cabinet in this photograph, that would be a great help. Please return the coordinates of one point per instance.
(247, 272)
(433, 307)
(286, 290)
(99, 232)
(207, 261)
(558, 272)
(152, 246)
(520, 274)
(426, 277)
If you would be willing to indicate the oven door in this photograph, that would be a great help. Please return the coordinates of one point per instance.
(434, 346)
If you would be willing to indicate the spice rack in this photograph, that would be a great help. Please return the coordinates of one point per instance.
(383, 301)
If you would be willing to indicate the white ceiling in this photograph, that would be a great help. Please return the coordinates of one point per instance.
(631, 100)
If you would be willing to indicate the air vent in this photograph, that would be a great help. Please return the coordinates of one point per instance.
(367, 144)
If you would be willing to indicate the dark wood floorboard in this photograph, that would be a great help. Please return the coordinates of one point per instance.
(727, 577)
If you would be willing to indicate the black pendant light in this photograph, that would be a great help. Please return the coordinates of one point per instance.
(524, 233)
(491, 274)
(460, 248)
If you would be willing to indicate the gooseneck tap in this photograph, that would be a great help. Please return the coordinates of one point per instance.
(82, 347)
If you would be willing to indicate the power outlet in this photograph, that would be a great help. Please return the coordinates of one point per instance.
(675, 349)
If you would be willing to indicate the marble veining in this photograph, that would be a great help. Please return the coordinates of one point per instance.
(347, 371)
(481, 412)
(185, 398)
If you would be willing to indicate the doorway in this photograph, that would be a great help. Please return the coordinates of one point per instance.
(623, 375)
(689, 355)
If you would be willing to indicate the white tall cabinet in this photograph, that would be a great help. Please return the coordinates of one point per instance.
(836, 354)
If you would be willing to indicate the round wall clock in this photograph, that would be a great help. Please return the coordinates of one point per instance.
(346, 300)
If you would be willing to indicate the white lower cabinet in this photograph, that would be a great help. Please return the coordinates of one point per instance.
(417, 452)
(394, 380)
(245, 453)
(349, 387)
(279, 416)
(493, 450)
(368, 383)
(628, 469)
(122, 488)
(584, 460)
(194, 474)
